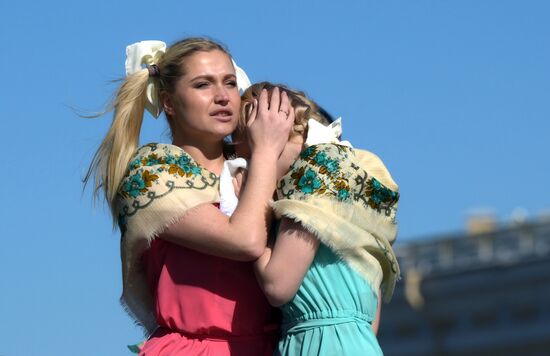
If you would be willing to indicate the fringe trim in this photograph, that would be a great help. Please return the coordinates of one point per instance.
(359, 236)
(143, 228)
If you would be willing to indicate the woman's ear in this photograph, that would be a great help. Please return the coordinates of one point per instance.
(167, 103)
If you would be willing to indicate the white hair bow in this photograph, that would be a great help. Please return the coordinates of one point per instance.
(150, 52)
(318, 133)
(146, 53)
(242, 79)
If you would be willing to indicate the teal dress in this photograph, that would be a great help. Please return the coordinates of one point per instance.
(347, 199)
(332, 312)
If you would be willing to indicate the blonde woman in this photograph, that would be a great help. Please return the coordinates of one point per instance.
(187, 268)
(332, 256)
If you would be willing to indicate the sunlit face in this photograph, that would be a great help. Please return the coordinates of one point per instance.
(205, 103)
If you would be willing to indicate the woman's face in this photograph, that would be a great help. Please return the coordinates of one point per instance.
(205, 103)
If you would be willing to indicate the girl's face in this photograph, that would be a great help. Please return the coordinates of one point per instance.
(205, 103)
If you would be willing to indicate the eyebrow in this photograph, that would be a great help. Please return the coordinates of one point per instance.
(211, 77)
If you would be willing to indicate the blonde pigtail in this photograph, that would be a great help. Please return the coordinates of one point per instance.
(164, 67)
(111, 159)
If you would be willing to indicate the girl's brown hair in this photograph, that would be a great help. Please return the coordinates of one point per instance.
(304, 107)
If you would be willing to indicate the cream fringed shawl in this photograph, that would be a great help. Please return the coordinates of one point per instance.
(161, 184)
(347, 198)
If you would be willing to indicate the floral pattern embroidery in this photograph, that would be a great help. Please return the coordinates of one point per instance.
(134, 186)
(155, 171)
(308, 182)
(379, 194)
(328, 170)
(179, 164)
(331, 171)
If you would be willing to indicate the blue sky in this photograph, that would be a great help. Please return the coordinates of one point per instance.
(453, 96)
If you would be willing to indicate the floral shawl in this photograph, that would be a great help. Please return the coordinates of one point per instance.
(347, 198)
(161, 184)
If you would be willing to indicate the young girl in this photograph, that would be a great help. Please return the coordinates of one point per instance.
(187, 268)
(333, 251)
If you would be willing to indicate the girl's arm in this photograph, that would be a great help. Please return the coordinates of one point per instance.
(281, 269)
(243, 235)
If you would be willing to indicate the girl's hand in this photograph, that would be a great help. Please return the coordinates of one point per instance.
(270, 123)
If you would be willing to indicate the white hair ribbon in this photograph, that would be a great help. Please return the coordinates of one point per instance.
(146, 53)
(242, 79)
(318, 133)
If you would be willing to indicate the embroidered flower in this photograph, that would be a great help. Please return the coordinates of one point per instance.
(196, 170)
(309, 182)
(297, 174)
(170, 159)
(151, 160)
(175, 169)
(327, 170)
(308, 152)
(342, 189)
(321, 158)
(343, 194)
(148, 178)
(134, 185)
(135, 163)
(379, 195)
(155, 172)
(183, 161)
(332, 165)
(183, 166)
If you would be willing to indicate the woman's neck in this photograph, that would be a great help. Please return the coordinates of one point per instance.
(208, 155)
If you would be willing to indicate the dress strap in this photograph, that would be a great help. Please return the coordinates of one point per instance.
(306, 322)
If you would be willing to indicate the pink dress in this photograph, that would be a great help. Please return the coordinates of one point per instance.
(206, 305)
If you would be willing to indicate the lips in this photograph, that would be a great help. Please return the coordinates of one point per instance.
(222, 112)
(224, 115)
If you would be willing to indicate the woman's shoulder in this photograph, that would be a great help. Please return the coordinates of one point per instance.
(163, 173)
(160, 150)
(335, 158)
(342, 173)
(371, 163)
(163, 157)
(156, 162)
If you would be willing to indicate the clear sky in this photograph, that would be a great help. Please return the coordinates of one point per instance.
(452, 95)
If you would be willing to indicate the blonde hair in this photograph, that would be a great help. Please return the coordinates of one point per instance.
(111, 159)
(304, 107)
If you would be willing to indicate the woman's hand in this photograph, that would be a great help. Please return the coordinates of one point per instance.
(243, 236)
(270, 123)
